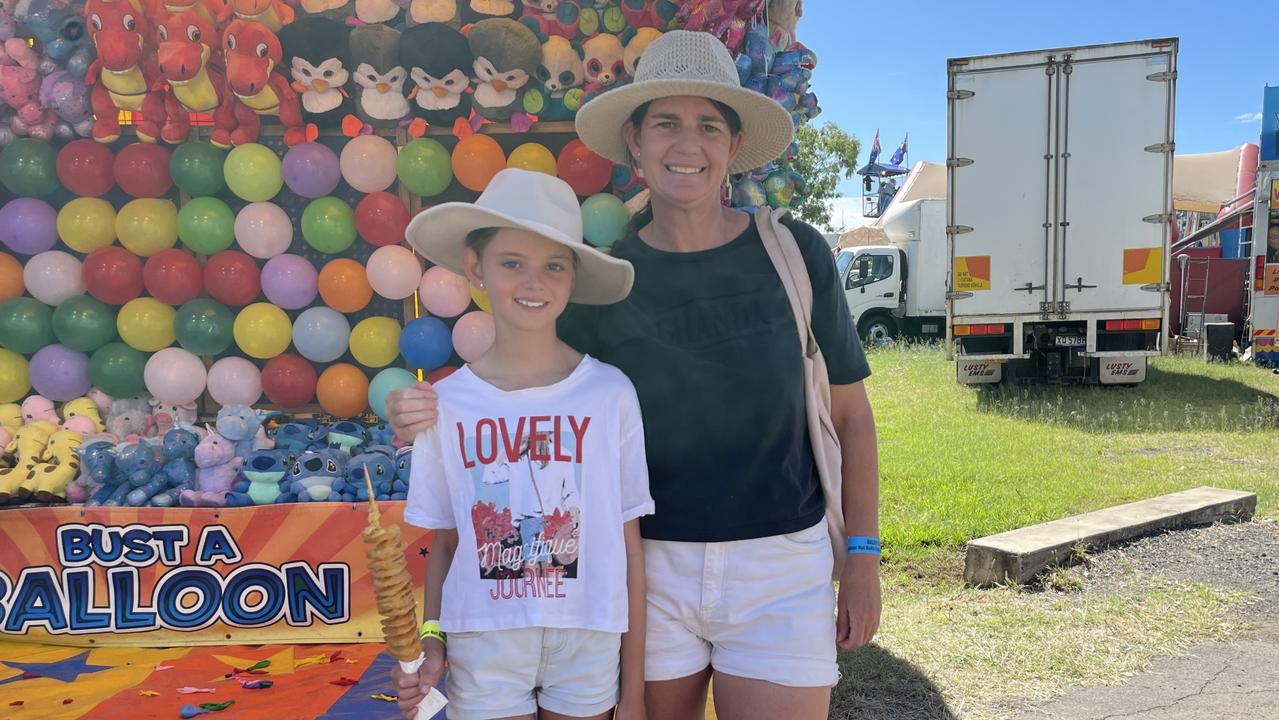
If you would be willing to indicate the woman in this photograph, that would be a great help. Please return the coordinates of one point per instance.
(738, 558)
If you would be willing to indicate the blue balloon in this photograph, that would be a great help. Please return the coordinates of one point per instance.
(426, 343)
(321, 334)
(383, 383)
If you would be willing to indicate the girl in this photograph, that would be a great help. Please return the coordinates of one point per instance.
(536, 470)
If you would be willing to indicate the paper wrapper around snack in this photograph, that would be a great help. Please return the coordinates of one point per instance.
(393, 589)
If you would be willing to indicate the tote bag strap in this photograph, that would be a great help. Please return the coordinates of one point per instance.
(792, 270)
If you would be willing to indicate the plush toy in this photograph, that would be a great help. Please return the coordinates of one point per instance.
(344, 435)
(20, 90)
(439, 62)
(294, 437)
(97, 463)
(429, 11)
(240, 425)
(168, 416)
(81, 415)
(123, 469)
(637, 41)
(38, 407)
(381, 469)
(177, 473)
(68, 97)
(560, 75)
(59, 31)
(191, 76)
(216, 13)
(474, 11)
(129, 419)
(11, 416)
(552, 17)
(59, 466)
(626, 181)
(216, 466)
(507, 55)
(403, 471)
(253, 54)
(270, 14)
(373, 12)
(381, 434)
(379, 76)
(261, 473)
(27, 447)
(124, 74)
(317, 476)
(605, 63)
(317, 51)
(601, 16)
(649, 13)
(102, 400)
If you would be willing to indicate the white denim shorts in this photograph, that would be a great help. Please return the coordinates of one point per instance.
(762, 609)
(500, 673)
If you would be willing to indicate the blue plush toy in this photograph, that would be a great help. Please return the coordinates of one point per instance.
(403, 468)
(343, 435)
(317, 475)
(240, 424)
(294, 437)
(177, 474)
(97, 464)
(381, 467)
(381, 434)
(262, 472)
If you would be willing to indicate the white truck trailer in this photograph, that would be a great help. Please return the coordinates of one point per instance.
(1059, 209)
(1264, 303)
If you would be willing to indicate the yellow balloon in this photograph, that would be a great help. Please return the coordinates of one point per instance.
(534, 157)
(146, 324)
(86, 224)
(480, 298)
(375, 341)
(14, 381)
(263, 331)
(147, 225)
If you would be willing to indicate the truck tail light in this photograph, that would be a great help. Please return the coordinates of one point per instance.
(971, 330)
(1259, 272)
(1121, 325)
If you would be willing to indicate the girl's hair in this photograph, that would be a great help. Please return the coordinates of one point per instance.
(645, 215)
(479, 239)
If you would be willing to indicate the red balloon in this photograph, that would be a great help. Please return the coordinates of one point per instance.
(381, 218)
(86, 167)
(173, 276)
(142, 170)
(289, 380)
(440, 373)
(232, 278)
(112, 275)
(586, 172)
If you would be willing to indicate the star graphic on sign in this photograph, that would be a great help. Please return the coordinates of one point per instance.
(423, 552)
(66, 670)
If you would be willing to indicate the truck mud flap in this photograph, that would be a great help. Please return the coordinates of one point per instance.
(979, 372)
(1121, 370)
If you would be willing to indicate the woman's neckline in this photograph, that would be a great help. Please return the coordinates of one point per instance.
(642, 246)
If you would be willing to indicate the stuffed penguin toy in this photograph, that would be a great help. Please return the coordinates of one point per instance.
(473, 11)
(439, 62)
(379, 78)
(506, 57)
(317, 55)
(433, 11)
(561, 75)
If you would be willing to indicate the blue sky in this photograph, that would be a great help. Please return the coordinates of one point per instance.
(883, 65)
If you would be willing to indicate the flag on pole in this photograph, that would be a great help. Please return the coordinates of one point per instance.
(900, 154)
(874, 148)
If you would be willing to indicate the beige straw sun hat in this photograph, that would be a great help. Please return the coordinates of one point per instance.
(523, 200)
(682, 62)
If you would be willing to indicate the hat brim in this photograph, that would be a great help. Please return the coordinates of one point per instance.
(767, 127)
(439, 235)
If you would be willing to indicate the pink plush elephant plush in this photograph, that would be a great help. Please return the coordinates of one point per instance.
(38, 407)
(167, 416)
(20, 90)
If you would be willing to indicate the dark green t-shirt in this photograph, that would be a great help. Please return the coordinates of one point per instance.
(708, 339)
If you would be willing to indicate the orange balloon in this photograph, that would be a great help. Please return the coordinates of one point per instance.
(11, 285)
(344, 286)
(476, 159)
(343, 390)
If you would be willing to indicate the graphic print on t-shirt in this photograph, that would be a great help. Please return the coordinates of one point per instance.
(527, 476)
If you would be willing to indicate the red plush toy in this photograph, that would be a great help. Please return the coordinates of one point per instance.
(252, 55)
(123, 75)
(191, 74)
(216, 13)
(273, 14)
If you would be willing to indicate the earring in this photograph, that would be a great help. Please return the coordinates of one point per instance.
(481, 286)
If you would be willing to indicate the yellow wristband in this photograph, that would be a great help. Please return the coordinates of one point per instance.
(431, 629)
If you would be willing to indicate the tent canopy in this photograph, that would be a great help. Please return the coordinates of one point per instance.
(878, 169)
(1205, 182)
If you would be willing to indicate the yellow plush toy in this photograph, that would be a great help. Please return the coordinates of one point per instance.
(28, 445)
(48, 481)
(82, 416)
(11, 417)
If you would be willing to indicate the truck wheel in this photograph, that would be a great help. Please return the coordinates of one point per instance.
(877, 329)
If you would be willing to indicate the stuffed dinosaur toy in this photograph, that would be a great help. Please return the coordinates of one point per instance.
(216, 467)
(270, 14)
(59, 466)
(253, 55)
(380, 99)
(27, 447)
(126, 69)
(192, 79)
(317, 476)
(438, 60)
(318, 51)
(261, 474)
(507, 55)
(216, 13)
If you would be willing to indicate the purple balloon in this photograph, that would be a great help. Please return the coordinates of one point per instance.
(60, 373)
(311, 170)
(290, 281)
(28, 225)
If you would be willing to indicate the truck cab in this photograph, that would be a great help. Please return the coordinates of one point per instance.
(872, 280)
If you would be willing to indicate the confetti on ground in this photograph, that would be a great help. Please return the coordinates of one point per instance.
(383, 697)
(148, 693)
(344, 682)
(193, 690)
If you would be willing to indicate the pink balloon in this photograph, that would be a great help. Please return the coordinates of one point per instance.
(235, 381)
(53, 276)
(263, 230)
(175, 376)
(368, 163)
(443, 292)
(290, 281)
(394, 272)
(473, 335)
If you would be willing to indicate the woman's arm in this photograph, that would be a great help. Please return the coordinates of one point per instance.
(859, 593)
(631, 705)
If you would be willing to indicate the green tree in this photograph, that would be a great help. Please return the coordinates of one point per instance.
(826, 155)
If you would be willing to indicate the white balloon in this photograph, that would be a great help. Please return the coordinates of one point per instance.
(235, 381)
(473, 335)
(53, 276)
(175, 376)
(394, 272)
(263, 230)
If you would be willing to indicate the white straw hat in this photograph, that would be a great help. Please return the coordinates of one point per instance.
(682, 62)
(523, 200)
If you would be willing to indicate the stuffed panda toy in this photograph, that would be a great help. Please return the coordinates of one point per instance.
(438, 60)
(378, 75)
(507, 55)
(317, 54)
(561, 75)
(605, 63)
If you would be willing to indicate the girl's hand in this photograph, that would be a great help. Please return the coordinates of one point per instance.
(859, 601)
(412, 410)
(412, 688)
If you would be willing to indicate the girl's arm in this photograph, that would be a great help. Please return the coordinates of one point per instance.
(437, 568)
(859, 593)
(631, 705)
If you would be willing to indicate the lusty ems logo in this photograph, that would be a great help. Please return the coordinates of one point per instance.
(182, 597)
(1122, 369)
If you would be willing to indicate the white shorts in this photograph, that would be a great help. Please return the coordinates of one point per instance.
(762, 609)
(501, 673)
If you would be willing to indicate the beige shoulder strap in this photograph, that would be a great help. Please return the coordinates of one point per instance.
(784, 252)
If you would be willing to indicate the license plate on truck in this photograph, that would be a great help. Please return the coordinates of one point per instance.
(1070, 341)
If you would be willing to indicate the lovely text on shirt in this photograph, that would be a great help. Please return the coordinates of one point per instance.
(491, 437)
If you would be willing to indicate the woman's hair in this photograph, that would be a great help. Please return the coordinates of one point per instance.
(479, 239)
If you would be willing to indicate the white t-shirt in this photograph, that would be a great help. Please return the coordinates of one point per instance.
(539, 482)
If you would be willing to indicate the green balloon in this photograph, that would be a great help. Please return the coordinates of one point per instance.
(28, 168)
(204, 327)
(328, 224)
(424, 167)
(206, 225)
(26, 325)
(117, 370)
(84, 324)
(253, 172)
(196, 168)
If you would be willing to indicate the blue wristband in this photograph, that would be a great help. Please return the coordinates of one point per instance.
(863, 545)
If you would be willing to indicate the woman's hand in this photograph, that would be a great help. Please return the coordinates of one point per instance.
(412, 410)
(412, 688)
(631, 709)
(859, 601)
